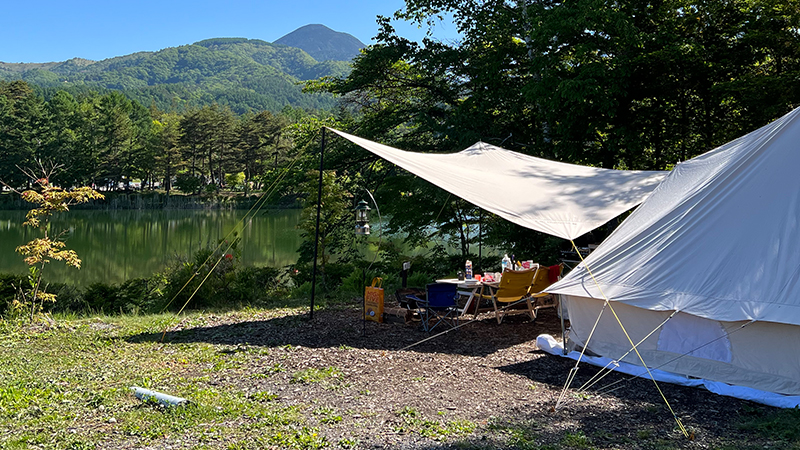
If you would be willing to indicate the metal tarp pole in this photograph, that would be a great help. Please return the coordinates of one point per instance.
(316, 232)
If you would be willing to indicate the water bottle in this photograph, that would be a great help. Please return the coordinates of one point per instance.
(505, 264)
(468, 270)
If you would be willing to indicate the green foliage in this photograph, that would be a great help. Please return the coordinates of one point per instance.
(327, 416)
(9, 284)
(304, 438)
(354, 283)
(577, 440)
(113, 142)
(420, 279)
(203, 279)
(781, 424)
(314, 375)
(50, 199)
(228, 285)
(187, 183)
(257, 284)
(246, 75)
(132, 296)
(413, 420)
(235, 181)
(628, 85)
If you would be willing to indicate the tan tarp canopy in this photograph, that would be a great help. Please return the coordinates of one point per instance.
(560, 199)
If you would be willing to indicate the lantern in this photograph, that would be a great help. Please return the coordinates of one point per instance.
(362, 218)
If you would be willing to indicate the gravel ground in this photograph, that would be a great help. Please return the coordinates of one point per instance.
(485, 374)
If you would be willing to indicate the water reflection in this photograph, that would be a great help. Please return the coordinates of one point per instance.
(118, 245)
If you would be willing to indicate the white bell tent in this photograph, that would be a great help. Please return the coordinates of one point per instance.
(706, 273)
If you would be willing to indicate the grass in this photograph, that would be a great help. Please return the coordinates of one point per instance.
(67, 386)
(314, 375)
(413, 421)
(782, 425)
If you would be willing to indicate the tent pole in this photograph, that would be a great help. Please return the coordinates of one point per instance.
(316, 231)
(563, 331)
(480, 240)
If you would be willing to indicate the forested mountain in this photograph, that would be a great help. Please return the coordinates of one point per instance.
(322, 43)
(245, 74)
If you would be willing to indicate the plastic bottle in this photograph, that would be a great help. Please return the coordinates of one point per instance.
(468, 270)
(505, 264)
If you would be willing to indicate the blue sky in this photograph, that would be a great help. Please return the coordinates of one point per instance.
(46, 30)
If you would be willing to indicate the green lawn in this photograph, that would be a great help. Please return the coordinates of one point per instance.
(66, 385)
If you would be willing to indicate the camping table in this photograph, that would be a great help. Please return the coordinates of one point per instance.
(472, 289)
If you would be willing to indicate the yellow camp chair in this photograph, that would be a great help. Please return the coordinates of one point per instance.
(514, 287)
(538, 299)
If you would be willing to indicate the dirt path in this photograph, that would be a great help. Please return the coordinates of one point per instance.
(484, 385)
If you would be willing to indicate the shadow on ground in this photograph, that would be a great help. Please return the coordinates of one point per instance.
(343, 327)
(620, 410)
(632, 416)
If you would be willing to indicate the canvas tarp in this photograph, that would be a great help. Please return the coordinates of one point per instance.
(560, 199)
(718, 238)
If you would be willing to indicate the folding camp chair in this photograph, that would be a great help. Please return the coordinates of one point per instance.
(514, 288)
(538, 299)
(439, 305)
(407, 300)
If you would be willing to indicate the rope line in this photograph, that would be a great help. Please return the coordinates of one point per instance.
(437, 335)
(453, 328)
(573, 372)
(258, 205)
(592, 381)
(261, 201)
(630, 341)
(439, 237)
(625, 380)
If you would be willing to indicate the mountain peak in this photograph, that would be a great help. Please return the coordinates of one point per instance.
(322, 43)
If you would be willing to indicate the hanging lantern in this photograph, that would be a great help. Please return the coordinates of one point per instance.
(362, 218)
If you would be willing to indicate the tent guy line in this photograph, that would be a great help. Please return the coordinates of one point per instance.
(634, 348)
(566, 200)
(715, 246)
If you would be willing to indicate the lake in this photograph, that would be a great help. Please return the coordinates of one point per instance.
(119, 245)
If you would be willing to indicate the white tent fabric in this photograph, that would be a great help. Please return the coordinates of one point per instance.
(717, 239)
(546, 343)
(560, 199)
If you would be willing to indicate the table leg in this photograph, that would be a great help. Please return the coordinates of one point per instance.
(478, 300)
(472, 298)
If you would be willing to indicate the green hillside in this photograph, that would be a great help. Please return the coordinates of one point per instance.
(245, 74)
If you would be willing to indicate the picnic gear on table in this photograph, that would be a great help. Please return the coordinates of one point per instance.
(505, 264)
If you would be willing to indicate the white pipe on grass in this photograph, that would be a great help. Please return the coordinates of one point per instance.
(164, 399)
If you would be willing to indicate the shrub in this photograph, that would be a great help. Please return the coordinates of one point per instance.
(9, 284)
(101, 297)
(132, 296)
(254, 284)
(187, 183)
(204, 278)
